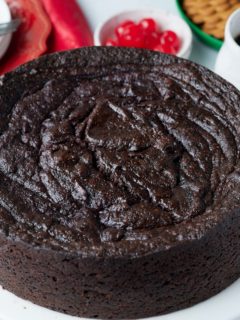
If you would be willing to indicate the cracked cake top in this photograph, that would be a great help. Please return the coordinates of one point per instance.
(115, 151)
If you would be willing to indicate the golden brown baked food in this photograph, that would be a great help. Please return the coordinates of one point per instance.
(211, 15)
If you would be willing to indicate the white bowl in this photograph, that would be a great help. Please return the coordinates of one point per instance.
(5, 16)
(166, 21)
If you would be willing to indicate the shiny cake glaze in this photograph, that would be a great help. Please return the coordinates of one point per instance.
(127, 163)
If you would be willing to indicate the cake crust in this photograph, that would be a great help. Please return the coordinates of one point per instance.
(119, 183)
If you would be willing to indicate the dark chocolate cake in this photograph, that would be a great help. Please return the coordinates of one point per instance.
(119, 183)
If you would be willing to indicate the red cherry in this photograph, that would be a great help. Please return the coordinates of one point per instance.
(120, 29)
(149, 25)
(132, 37)
(165, 48)
(169, 38)
(111, 43)
(152, 40)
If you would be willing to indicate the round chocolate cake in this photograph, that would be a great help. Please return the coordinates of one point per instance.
(119, 183)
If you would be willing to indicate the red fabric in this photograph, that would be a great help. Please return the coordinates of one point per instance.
(29, 41)
(61, 22)
(70, 27)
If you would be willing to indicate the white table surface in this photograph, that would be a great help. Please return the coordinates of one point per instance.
(99, 10)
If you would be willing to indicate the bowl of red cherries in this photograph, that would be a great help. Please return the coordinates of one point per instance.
(146, 29)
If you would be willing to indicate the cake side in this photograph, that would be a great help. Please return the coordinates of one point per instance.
(123, 288)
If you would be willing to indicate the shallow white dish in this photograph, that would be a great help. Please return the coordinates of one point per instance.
(165, 19)
(224, 306)
(5, 16)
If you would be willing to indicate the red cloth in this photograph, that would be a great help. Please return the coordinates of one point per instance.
(53, 25)
(70, 27)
